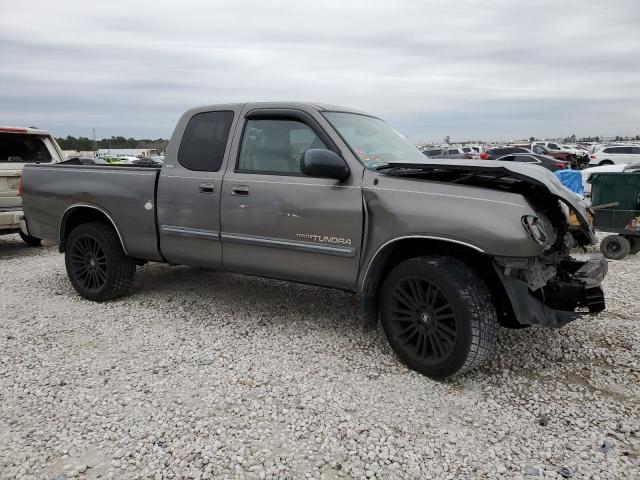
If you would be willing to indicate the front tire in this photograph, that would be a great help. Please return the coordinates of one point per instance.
(29, 240)
(438, 316)
(96, 264)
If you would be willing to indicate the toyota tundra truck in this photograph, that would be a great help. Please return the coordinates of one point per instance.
(441, 252)
(18, 147)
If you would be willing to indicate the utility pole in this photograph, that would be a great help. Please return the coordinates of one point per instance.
(95, 146)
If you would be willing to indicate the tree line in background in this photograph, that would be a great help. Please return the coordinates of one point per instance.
(86, 144)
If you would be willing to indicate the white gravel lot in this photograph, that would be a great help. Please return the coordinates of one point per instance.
(202, 374)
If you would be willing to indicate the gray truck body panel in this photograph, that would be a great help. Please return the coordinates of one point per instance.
(293, 227)
(52, 193)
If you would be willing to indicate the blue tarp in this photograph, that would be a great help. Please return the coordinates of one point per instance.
(572, 179)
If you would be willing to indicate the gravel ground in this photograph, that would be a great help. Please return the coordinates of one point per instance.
(202, 374)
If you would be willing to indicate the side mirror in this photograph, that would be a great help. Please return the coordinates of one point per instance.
(324, 164)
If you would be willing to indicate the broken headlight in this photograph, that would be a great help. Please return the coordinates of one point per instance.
(540, 229)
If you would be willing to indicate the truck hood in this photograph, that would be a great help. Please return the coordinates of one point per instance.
(464, 171)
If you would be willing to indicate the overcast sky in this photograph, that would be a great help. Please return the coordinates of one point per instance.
(469, 69)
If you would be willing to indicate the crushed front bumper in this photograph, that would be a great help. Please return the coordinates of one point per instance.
(574, 291)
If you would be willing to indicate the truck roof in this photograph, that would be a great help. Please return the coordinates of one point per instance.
(317, 106)
(26, 130)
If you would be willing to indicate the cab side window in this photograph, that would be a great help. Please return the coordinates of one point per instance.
(275, 146)
(204, 141)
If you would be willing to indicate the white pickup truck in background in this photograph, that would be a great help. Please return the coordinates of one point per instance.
(18, 146)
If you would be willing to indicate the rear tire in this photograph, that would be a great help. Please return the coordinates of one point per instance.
(438, 316)
(96, 264)
(605, 162)
(29, 240)
(615, 247)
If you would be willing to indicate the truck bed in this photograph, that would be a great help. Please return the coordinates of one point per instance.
(126, 194)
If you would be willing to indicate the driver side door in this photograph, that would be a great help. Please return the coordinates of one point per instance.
(277, 222)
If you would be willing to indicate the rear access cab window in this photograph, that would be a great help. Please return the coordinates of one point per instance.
(204, 141)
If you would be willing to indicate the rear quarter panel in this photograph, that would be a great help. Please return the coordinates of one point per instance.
(125, 194)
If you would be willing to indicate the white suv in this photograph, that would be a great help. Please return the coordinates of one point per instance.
(19, 145)
(614, 154)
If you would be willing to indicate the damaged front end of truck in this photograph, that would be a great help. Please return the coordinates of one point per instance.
(552, 288)
(547, 294)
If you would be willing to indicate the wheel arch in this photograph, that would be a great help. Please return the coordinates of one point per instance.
(83, 213)
(403, 248)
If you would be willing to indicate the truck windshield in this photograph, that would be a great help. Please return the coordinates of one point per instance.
(373, 140)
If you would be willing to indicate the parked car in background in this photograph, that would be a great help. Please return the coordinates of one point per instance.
(545, 161)
(154, 161)
(85, 161)
(614, 154)
(129, 159)
(435, 152)
(576, 150)
(497, 152)
(456, 153)
(540, 149)
(20, 146)
(452, 153)
(569, 153)
(557, 147)
(473, 152)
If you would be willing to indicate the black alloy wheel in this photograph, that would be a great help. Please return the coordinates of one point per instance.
(88, 263)
(423, 320)
(97, 265)
(438, 315)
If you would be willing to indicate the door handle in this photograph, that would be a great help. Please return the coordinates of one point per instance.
(207, 188)
(240, 190)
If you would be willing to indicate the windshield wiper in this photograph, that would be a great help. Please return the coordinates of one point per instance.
(386, 166)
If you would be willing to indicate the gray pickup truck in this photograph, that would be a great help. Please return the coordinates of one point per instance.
(441, 252)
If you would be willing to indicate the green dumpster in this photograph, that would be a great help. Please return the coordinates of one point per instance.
(615, 187)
